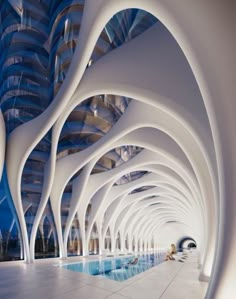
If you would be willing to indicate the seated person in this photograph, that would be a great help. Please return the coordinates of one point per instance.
(169, 255)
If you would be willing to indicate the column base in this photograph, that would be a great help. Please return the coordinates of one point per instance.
(63, 258)
(203, 277)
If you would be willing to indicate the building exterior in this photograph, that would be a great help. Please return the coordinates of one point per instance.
(116, 130)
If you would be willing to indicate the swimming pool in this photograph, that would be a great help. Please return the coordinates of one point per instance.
(117, 269)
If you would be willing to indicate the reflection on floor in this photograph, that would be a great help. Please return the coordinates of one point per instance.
(169, 280)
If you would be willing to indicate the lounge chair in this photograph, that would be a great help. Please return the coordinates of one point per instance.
(134, 262)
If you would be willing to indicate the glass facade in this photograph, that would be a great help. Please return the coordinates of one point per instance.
(38, 39)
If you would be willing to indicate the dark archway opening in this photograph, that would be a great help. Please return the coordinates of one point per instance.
(192, 245)
(186, 243)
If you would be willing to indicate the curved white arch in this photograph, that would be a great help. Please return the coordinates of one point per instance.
(214, 79)
(198, 140)
(136, 115)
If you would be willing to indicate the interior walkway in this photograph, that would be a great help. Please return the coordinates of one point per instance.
(43, 280)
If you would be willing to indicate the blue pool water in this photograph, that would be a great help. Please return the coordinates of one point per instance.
(117, 268)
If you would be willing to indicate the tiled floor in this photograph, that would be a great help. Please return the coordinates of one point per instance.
(169, 280)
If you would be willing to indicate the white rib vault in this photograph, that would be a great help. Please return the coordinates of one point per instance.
(182, 117)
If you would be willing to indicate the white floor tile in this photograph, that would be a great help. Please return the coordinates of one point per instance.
(86, 292)
(109, 285)
(116, 296)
